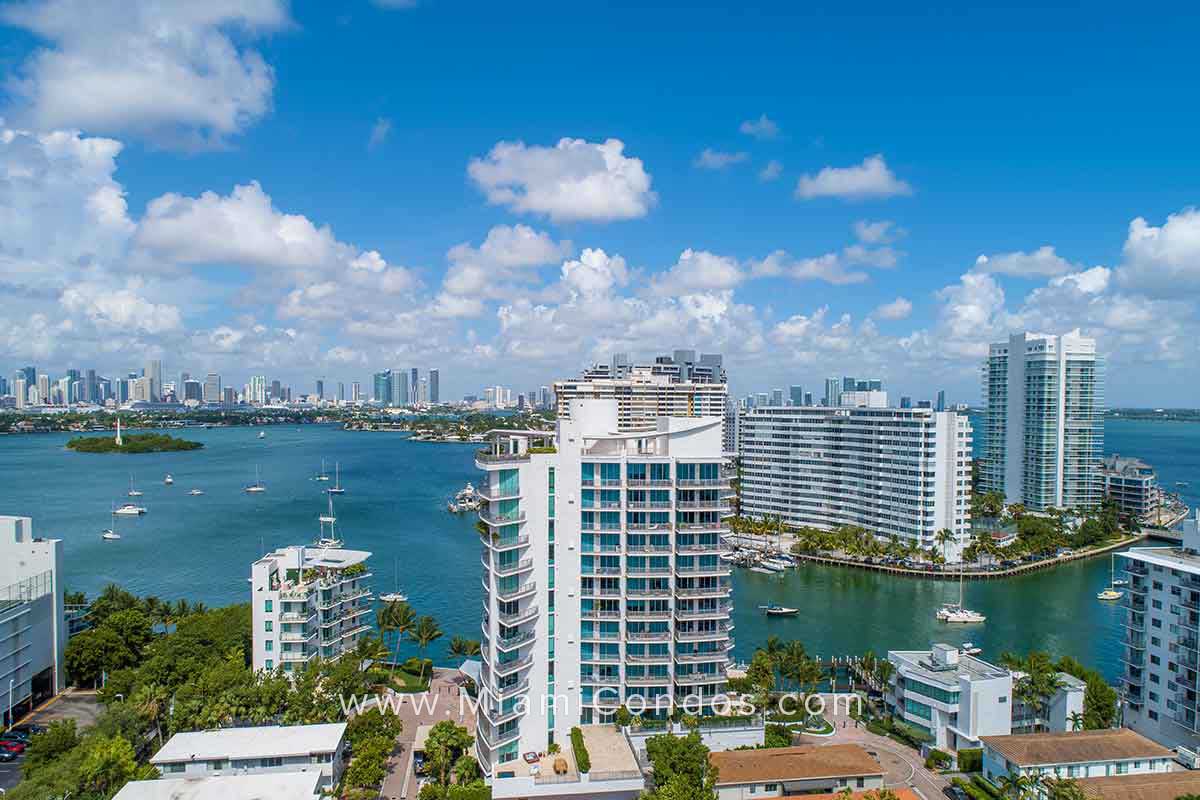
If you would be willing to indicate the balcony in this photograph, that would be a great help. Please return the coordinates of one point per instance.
(719, 632)
(494, 494)
(599, 570)
(648, 548)
(1133, 680)
(509, 667)
(657, 591)
(660, 504)
(295, 655)
(600, 548)
(1187, 643)
(346, 634)
(514, 641)
(513, 568)
(600, 613)
(302, 636)
(600, 591)
(699, 547)
(298, 616)
(716, 504)
(648, 526)
(649, 613)
(497, 519)
(692, 678)
(697, 656)
(702, 569)
(648, 658)
(648, 636)
(510, 690)
(645, 572)
(523, 590)
(647, 680)
(497, 716)
(721, 610)
(662, 483)
(702, 527)
(704, 591)
(345, 614)
(517, 618)
(488, 458)
(600, 658)
(600, 636)
(343, 597)
(506, 543)
(494, 739)
(693, 483)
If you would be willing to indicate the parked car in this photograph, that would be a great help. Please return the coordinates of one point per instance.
(29, 729)
(7, 755)
(12, 747)
(20, 736)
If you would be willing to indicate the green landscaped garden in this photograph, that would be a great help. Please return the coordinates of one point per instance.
(132, 443)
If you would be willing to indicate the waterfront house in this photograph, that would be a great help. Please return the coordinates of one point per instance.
(1133, 486)
(1079, 754)
(807, 769)
(291, 785)
(956, 699)
(1160, 638)
(317, 749)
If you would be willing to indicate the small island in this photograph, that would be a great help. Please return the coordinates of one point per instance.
(132, 443)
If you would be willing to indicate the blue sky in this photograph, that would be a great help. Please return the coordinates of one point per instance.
(257, 187)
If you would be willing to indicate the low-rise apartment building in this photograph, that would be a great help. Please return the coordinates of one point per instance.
(1078, 754)
(785, 771)
(958, 699)
(290, 785)
(317, 749)
(33, 631)
(614, 773)
(903, 473)
(1132, 484)
(1160, 638)
(308, 602)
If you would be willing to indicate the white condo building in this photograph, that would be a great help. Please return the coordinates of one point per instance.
(679, 385)
(33, 632)
(602, 578)
(1160, 637)
(1044, 423)
(308, 602)
(895, 472)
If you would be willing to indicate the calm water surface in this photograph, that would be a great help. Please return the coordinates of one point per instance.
(200, 548)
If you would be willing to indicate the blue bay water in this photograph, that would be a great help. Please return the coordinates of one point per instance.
(200, 548)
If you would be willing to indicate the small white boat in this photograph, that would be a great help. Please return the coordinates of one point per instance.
(1110, 594)
(337, 480)
(130, 510)
(328, 539)
(262, 434)
(772, 610)
(1120, 582)
(959, 615)
(132, 491)
(168, 480)
(969, 649)
(321, 476)
(110, 535)
(777, 563)
(393, 597)
(257, 486)
(196, 492)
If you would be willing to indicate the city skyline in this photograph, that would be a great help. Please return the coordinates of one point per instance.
(462, 220)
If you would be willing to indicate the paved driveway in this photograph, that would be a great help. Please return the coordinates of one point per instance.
(441, 702)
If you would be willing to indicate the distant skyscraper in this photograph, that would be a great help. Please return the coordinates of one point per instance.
(761, 400)
(341, 395)
(414, 385)
(544, 397)
(193, 390)
(383, 388)
(423, 397)
(154, 372)
(30, 375)
(43, 387)
(434, 393)
(796, 395)
(276, 391)
(258, 389)
(320, 389)
(228, 396)
(833, 388)
(941, 400)
(905, 401)
(400, 395)
(90, 390)
(21, 390)
(356, 392)
(212, 388)
(1044, 426)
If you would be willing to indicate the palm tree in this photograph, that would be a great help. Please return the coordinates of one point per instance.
(1014, 786)
(180, 609)
(156, 610)
(425, 633)
(152, 701)
(399, 618)
(371, 648)
(463, 647)
(1076, 720)
(944, 537)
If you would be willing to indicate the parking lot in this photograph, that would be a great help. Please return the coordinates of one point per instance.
(80, 706)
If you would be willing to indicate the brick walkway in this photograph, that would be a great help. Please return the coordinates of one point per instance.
(441, 702)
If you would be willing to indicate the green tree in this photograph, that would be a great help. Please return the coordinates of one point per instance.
(398, 618)
(111, 600)
(91, 653)
(463, 647)
(444, 746)
(59, 738)
(134, 628)
(152, 701)
(944, 537)
(423, 634)
(108, 764)
(683, 757)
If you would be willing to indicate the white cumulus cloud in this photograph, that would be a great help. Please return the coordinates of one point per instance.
(762, 128)
(717, 159)
(1163, 260)
(771, 171)
(871, 178)
(1043, 262)
(574, 180)
(899, 308)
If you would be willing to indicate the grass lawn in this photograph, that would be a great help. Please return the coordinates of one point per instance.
(406, 677)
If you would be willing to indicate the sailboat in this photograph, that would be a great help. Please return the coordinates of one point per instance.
(337, 480)
(1111, 593)
(957, 613)
(330, 538)
(168, 480)
(262, 434)
(321, 476)
(396, 596)
(110, 534)
(257, 486)
(772, 610)
(132, 491)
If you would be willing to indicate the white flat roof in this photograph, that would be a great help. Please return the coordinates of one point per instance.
(265, 742)
(267, 786)
(333, 558)
(1170, 557)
